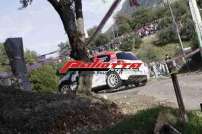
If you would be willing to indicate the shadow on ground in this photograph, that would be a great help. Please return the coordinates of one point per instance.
(23, 113)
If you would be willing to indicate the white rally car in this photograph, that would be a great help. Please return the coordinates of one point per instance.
(113, 79)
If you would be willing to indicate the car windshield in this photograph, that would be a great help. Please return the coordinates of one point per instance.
(104, 58)
(126, 56)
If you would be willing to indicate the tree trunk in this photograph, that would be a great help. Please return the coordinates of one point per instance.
(85, 81)
(66, 10)
(70, 12)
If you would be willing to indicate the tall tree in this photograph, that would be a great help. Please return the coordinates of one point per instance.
(71, 14)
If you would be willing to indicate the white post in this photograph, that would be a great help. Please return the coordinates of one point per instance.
(177, 30)
(197, 21)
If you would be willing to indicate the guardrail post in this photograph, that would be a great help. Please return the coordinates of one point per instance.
(172, 69)
(14, 50)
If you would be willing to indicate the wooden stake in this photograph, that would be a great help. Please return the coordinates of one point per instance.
(172, 70)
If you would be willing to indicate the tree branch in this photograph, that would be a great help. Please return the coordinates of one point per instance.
(79, 19)
(67, 16)
(78, 8)
(55, 4)
(70, 12)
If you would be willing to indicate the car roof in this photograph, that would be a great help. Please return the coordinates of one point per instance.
(111, 53)
(105, 53)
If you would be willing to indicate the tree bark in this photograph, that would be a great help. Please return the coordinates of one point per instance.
(85, 79)
(79, 18)
(66, 10)
(70, 12)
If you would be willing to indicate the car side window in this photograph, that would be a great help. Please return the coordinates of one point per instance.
(104, 58)
(126, 56)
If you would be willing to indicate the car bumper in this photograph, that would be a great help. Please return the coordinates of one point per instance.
(133, 74)
(137, 78)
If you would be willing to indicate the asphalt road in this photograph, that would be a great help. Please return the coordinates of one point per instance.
(160, 92)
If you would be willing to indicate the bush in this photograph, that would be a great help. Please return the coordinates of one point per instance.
(143, 122)
(194, 41)
(30, 56)
(168, 33)
(44, 79)
(100, 40)
(3, 59)
(184, 21)
(123, 23)
(199, 3)
(142, 16)
(165, 22)
(124, 28)
(166, 36)
(150, 54)
(130, 43)
(187, 31)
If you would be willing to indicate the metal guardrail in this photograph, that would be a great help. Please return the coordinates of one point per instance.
(7, 75)
(188, 55)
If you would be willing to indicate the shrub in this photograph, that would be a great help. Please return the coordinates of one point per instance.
(187, 31)
(124, 28)
(149, 54)
(44, 79)
(30, 56)
(130, 43)
(101, 39)
(166, 36)
(3, 59)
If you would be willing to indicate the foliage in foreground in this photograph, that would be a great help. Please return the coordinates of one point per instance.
(3, 59)
(30, 56)
(44, 79)
(47, 113)
(144, 123)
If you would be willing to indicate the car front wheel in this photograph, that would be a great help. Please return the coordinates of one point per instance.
(113, 80)
(68, 88)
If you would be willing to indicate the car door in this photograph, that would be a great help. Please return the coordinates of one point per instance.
(99, 77)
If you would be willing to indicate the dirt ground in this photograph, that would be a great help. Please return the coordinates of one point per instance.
(160, 92)
(34, 113)
(51, 113)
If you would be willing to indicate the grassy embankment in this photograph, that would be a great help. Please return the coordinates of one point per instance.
(144, 122)
(148, 51)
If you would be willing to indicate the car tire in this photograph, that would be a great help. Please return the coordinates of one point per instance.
(141, 84)
(137, 84)
(69, 89)
(144, 83)
(113, 80)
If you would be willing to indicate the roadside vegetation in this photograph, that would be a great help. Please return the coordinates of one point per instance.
(43, 79)
(3, 59)
(53, 113)
(166, 37)
(144, 122)
(130, 43)
(162, 15)
(149, 52)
